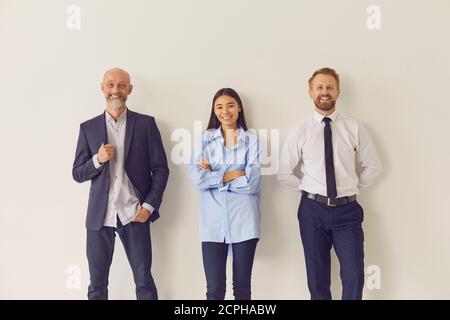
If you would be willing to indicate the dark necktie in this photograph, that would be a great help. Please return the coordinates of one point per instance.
(329, 165)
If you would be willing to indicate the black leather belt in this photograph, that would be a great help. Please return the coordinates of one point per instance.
(329, 202)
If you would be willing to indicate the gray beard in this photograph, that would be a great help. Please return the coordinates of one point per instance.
(115, 103)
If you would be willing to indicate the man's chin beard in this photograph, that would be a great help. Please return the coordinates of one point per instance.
(116, 104)
(326, 107)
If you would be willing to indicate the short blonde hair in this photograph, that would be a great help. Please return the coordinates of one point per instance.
(327, 71)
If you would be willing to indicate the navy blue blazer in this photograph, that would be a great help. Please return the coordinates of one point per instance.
(145, 164)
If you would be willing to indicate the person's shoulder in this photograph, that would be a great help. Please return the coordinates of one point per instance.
(252, 136)
(252, 133)
(301, 125)
(347, 118)
(208, 135)
(349, 121)
(141, 116)
(93, 121)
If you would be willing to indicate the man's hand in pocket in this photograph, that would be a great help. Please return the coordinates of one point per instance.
(143, 215)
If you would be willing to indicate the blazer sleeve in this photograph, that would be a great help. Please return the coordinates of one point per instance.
(83, 168)
(158, 166)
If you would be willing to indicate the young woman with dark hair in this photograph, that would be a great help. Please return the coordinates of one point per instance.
(226, 169)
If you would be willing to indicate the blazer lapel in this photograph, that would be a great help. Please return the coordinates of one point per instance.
(102, 128)
(129, 131)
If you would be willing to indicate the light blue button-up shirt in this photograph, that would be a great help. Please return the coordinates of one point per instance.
(229, 212)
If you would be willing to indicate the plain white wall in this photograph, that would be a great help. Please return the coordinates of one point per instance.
(395, 80)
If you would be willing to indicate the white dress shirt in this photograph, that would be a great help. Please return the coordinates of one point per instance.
(122, 199)
(352, 150)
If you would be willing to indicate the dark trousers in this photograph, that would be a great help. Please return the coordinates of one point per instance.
(322, 227)
(137, 243)
(214, 263)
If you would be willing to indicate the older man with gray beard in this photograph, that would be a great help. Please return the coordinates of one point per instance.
(121, 153)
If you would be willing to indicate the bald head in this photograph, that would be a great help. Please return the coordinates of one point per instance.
(117, 73)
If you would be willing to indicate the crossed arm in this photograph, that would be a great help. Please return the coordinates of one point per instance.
(228, 176)
(247, 181)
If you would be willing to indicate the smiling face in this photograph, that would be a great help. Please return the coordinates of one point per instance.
(227, 110)
(116, 87)
(324, 91)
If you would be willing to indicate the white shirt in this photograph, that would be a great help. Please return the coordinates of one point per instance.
(122, 199)
(352, 147)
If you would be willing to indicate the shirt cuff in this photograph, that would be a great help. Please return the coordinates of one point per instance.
(97, 165)
(149, 207)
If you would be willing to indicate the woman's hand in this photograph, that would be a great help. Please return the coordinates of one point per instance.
(231, 175)
(228, 176)
(204, 165)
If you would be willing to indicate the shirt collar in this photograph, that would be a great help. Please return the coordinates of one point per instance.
(122, 116)
(318, 117)
(218, 133)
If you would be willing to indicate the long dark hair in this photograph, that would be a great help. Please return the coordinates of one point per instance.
(214, 123)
